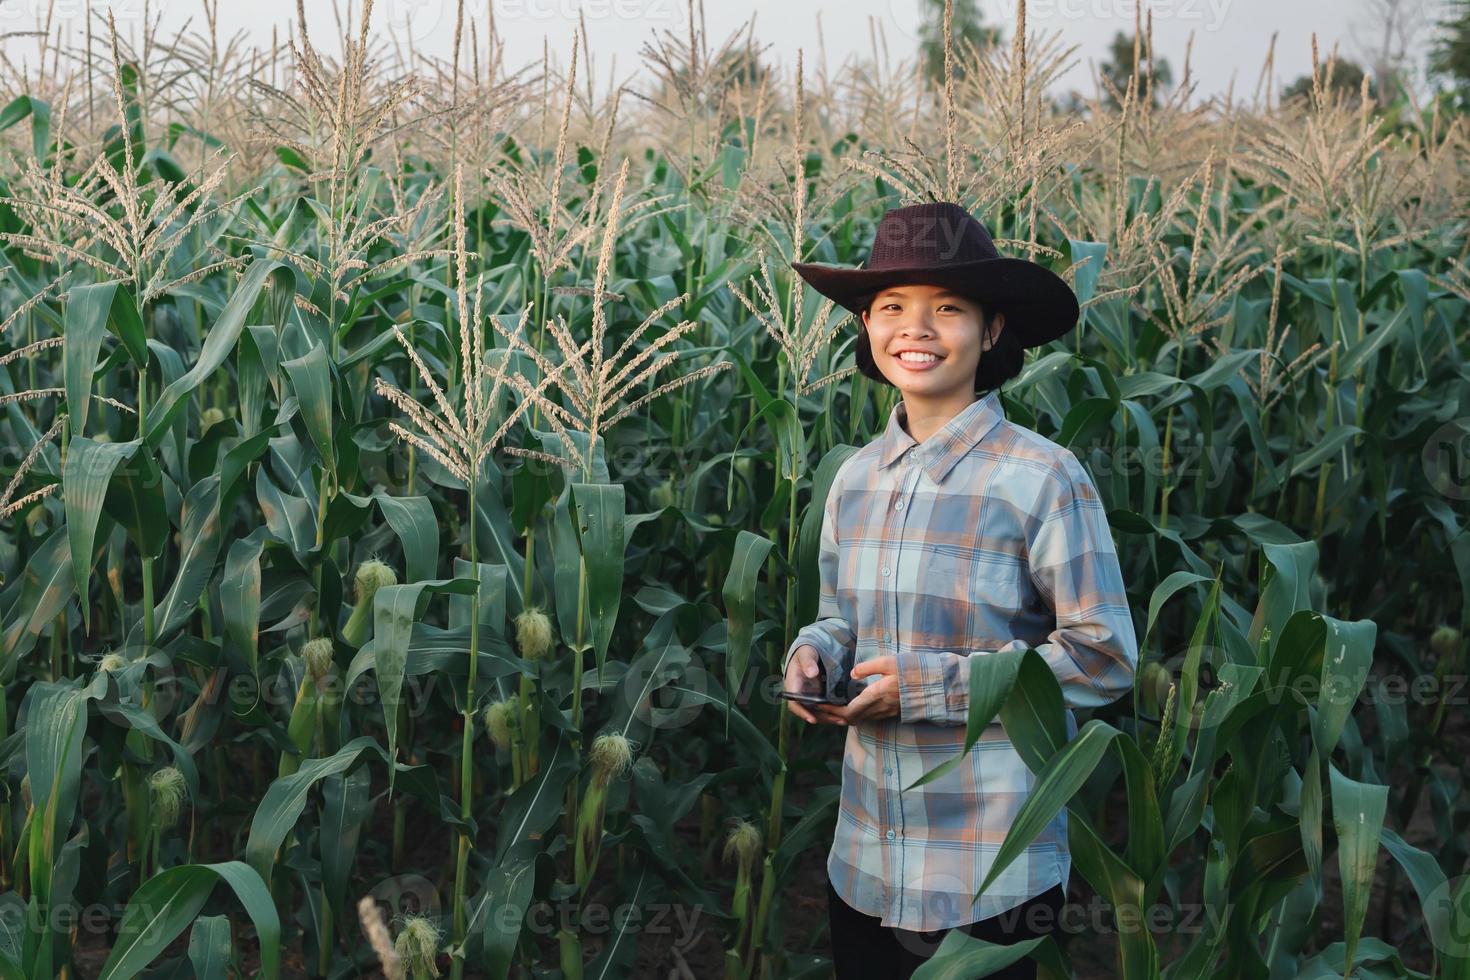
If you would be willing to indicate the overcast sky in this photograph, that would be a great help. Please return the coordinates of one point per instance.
(1231, 37)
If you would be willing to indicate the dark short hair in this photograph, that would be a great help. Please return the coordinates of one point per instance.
(999, 364)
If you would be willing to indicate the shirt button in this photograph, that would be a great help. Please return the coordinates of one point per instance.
(898, 506)
(887, 637)
(888, 771)
(890, 835)
(885, 571)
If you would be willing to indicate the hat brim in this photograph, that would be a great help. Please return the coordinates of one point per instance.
(1038, 303)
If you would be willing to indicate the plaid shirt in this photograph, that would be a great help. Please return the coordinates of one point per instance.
(984, 537)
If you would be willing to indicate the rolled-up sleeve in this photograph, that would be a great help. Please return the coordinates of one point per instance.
(830, 634)
(1093, 650)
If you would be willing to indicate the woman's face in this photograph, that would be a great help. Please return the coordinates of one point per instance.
(943, 326)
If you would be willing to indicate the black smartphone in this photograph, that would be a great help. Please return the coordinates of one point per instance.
(813, 699)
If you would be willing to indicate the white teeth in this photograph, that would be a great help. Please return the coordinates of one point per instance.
(917, 358)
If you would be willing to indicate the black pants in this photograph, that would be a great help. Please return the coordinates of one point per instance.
(865, 949)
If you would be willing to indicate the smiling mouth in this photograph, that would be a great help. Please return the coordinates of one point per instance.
(918, 362)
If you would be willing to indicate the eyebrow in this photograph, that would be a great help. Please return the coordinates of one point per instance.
(901, 293)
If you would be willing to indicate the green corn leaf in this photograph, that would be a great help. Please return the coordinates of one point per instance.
(809, 537)
(1415, 286)
(566, 576)
(1287, 588)
(45, 588)
(739, 591)
(963, 957)
(346, 807)
(211, 948)
(1115, 881)
(621, 941)
(1056, 784)
(138, 499)
(285, 799)
(311, 379)
(39, 112)
(222, 338)
(1323, 449)
(239, 593)
(140, 720)
(395, 608)
(508, 894)
(56, 720)
(200, 537)
(1362, 353)
(1084, 419)
(537, 804)
(85, 478)
(1309, 815)
(256, 367)
(432, 650)
(88, 311)
(1434, 891)
(597, 512)
(1087, 260)
(166, 904)
(786, 430)
(412, 519)
(1162, 593)
(1357, 817)
(1346, 660)
(991, 680)
(287, 515)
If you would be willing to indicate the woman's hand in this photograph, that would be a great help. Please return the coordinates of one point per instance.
(801, 675)
(878, 700)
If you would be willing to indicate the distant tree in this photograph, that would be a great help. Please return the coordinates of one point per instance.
(1070, 103)
(1389, 39)
(967, 25)
(1346, 77)
(1119, 68)
(1449, 57)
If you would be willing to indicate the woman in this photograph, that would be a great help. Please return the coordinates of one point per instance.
(955, 533)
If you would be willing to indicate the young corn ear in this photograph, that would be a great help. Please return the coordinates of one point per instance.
(502, 721)
(306, 712)
(1445, 641)
(371, 576)
(533, 633)
(611, 755)
(743, 845)
(417, 945)
(535, 640)
(168, 791)
(570, 946)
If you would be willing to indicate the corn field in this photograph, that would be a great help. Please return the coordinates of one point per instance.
(413, 474)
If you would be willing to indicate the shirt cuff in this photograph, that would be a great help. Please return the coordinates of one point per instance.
(922, 690)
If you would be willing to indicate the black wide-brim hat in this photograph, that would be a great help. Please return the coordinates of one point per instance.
(940, 244)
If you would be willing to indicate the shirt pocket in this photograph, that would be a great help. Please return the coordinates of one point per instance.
(971, 598)
(999, 585)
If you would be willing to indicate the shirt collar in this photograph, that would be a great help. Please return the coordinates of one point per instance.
(941, 451)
